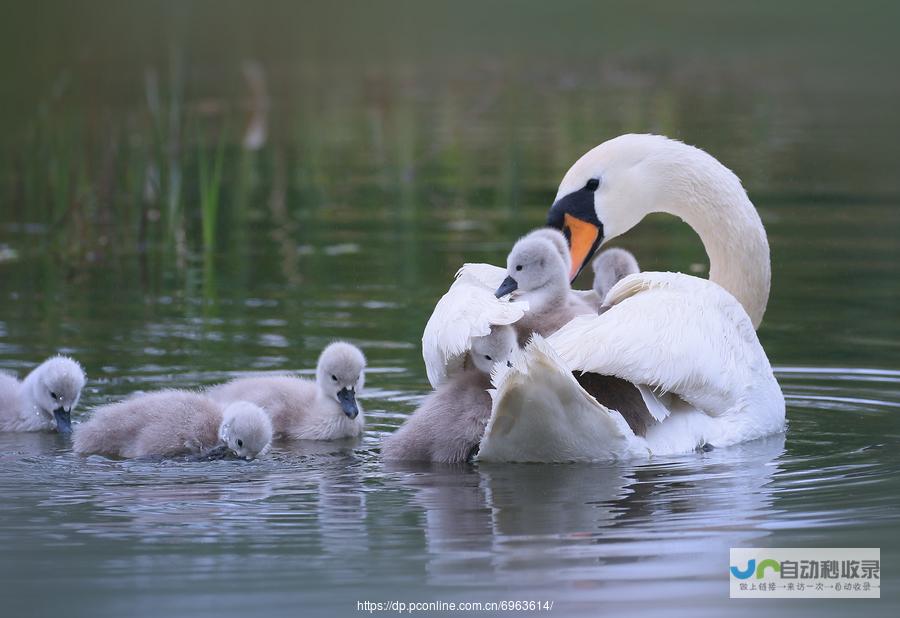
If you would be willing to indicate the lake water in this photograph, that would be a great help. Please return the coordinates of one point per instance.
(401, 142)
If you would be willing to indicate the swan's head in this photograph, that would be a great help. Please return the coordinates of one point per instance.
(536, 260)
(246, 430)
(611, 188)
(340, 374)
(610, 267)
(498, 347)
(56, 390)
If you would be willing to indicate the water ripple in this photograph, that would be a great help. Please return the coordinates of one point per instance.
(333, 512)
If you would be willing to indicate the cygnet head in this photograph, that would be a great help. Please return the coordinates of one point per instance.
(610, 267)
(55, 388)
(556, 237)
(246, 429)
(498, 347)
(535, 262)
(340, 375)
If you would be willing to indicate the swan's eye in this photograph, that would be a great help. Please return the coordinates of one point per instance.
(240, 443)
(488, 357)
(54, 395)
(592, 184)
(334, 377)
(519, 267)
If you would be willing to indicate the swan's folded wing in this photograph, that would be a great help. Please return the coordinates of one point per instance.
(467, 310)
(671, 332)
(542, 414)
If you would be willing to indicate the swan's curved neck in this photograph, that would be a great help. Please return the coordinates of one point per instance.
(733, 236)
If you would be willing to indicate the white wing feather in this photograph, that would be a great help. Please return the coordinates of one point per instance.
(467, 310)
(668, 333)
(674, 333)
(541, 414)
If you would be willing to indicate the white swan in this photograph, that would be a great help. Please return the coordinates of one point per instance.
(44, 400)
(688, 344)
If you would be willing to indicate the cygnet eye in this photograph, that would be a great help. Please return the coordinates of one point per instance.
(54, 395)
(334, 377)
(519, 267)
(487, 356)
(592, 184)
(240, 443)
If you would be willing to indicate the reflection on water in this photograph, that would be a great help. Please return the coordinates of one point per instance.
(324, 525)
(554, 527)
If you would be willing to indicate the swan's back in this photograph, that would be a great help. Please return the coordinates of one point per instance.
(165, 423)
(10, 403)
(678, 334)
(288, 400)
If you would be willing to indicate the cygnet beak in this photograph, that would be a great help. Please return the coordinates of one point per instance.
(509, 285)
(63, 419)
(220, 451)
(347, 399)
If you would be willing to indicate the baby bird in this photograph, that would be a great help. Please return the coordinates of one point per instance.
(171, 423)
(44, 400)
(448, 426)
(556, 237)
(305, 410)
(538, 271)
(610, 267)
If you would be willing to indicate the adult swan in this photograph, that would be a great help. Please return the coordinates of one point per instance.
(687, 345)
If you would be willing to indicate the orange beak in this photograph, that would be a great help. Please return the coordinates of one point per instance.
(583, 240)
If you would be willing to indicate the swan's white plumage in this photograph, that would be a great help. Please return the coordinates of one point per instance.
(688, 344)
(685, 338)
(644, 174)
(658, 404)
(670, 331)
(467, 310)
(542, 414)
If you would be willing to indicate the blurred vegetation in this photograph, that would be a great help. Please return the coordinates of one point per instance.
(213, 147)
(115, 128)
